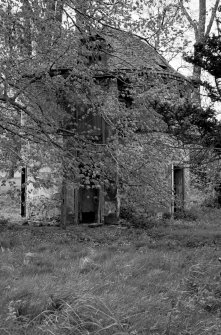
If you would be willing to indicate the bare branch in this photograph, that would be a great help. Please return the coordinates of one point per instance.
(212, 18)
(7, 147)
(202, 20)
(218, 85)
(189, 18)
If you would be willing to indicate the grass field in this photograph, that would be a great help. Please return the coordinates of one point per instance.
(164, 279)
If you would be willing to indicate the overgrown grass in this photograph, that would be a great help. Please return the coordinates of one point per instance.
(108, 280)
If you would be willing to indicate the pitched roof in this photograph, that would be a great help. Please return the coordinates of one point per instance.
(130, 52)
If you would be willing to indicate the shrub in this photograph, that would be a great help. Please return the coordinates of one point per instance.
(187, 215)
(3, 221)
(210, 202)
(137, 217)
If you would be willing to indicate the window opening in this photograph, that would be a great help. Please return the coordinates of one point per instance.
(124, 89)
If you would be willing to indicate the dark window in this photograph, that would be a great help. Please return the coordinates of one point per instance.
(95, 49)
(125, 91)
(92, 126)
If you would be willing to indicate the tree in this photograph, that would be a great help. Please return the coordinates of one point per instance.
(166, 24)
(207, 57)
(162, 24)
(201, 30)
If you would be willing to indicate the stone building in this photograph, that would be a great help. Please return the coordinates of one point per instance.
(131, 75)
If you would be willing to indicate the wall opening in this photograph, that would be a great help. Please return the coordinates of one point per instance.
(23, 191)
(178, 188)
(89, 205)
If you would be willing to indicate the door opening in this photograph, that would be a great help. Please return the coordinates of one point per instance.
(178, 188)
(89, 205)
(23, 191)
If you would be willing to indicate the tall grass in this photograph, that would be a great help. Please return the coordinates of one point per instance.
(160, 281)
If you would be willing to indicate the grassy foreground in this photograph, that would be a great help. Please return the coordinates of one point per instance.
(164, 279)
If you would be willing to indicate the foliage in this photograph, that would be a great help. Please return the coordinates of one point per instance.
(44, 208)
(35, 45)
(162, 24)
(186, 215)
(170, 25)
(208, 56)
(137, 217)
(191, 123)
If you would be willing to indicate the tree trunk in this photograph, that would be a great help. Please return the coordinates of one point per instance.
(199, 37)
(197, 71)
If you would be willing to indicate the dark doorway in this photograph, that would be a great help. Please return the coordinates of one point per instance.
(23, 191)
(217, 189)
(178, 177)
(89, 205)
